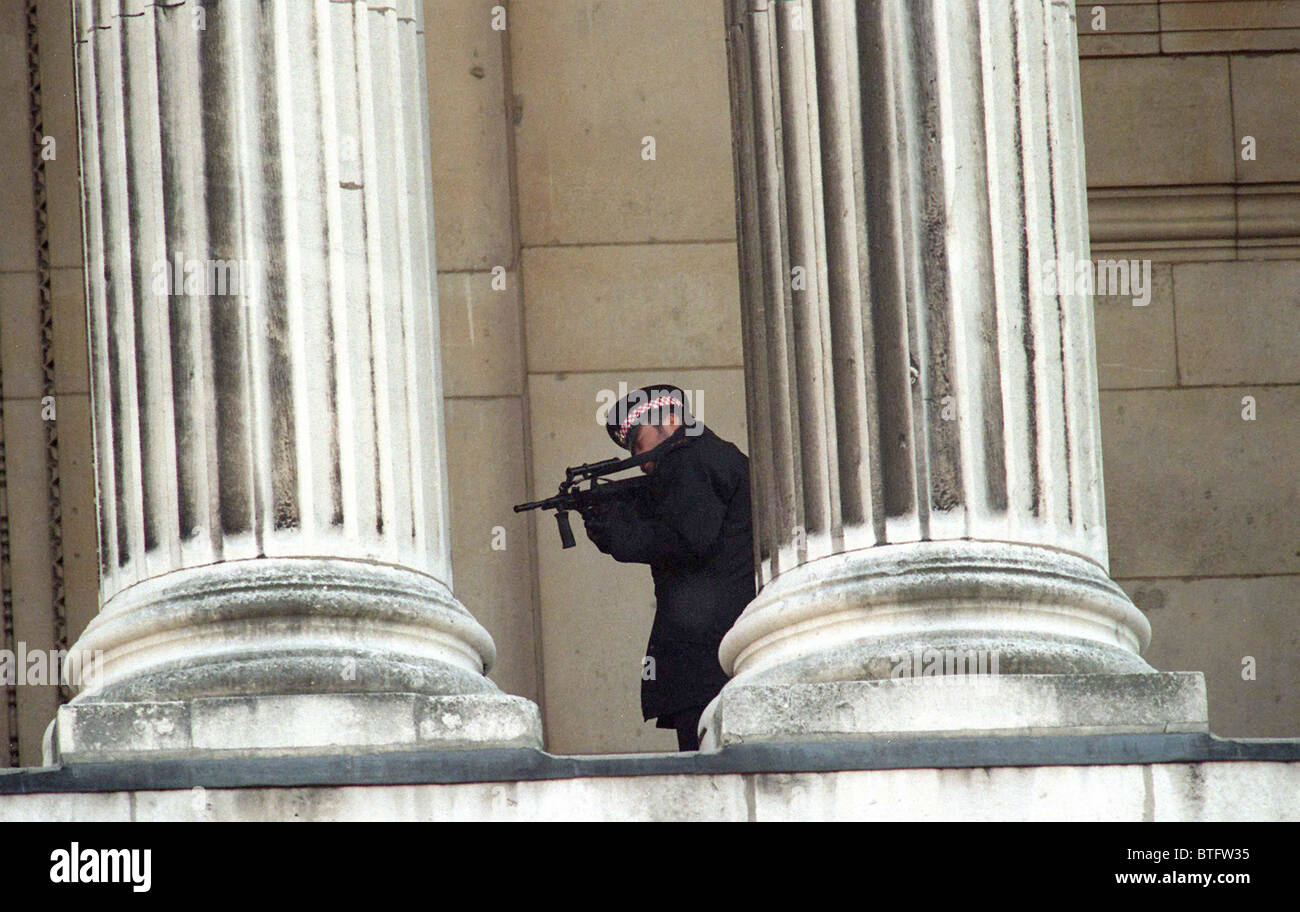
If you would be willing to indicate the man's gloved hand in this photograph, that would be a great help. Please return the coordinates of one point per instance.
(600, 530)
(604, 523)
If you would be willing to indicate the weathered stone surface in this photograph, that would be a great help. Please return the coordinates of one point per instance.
(59, 120)
(1082, 793)
(469, 134)
(68, 298)
(1250, 791)
(1195, 490)
(490, 547)
(1173, 791)
(1224, 791)
(280, 725)
(1136, 109)
(68, 807)
(961, 705)
(1135, 344)
(933, 476)
(1242, 634)
(593, 82)
(642, 798)
(20, 327)
(17, 200)
(1238, 322)
(271, 448)
(482, 346)
(580, 299)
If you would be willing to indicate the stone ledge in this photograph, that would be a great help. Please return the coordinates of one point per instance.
(960, 706)
(1127, 790)
(489, 765)
(270, 726)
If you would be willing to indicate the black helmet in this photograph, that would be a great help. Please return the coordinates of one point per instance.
(644, 406)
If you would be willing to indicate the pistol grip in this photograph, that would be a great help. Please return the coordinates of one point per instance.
(566, 531)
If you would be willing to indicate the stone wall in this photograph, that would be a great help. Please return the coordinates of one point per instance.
(48, 544)
(1223, 791)
(1204, 505)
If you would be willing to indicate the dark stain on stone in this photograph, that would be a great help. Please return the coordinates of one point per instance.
(1150, 599)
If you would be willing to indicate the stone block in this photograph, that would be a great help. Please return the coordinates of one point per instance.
(468, 135)
(481, 344)
(1242, 634)
(1055, 793)
(1106, 44)
(1192, 489)
(294, 724)
(624, 307)
(1239, 322)
(1121, 18)
(593, 81)
(1199, 15)
(20, 336)
(1135, 110)
(491, 557)
(960, 706)
(1135, 342)
(71, 355)
(1219, 40)
(68, 807)
(1258, 792)
(1266, 105)
(113, 731)
(655, 798)
(59, 120)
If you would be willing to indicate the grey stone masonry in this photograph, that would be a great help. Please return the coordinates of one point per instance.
(921, 375)
(267, 390)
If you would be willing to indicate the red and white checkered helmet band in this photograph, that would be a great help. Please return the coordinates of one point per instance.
(640, 410)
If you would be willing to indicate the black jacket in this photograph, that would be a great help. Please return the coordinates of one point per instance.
(691, 524)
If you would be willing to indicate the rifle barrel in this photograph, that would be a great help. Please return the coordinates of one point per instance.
(589, 472)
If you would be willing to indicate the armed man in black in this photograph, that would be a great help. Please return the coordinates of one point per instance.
(691, 524)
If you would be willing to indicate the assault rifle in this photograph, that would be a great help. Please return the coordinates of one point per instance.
(600, 490)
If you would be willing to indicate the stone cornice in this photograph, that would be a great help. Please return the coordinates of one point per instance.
(1212, 221)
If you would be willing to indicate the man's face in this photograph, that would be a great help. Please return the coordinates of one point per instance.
(646, 437)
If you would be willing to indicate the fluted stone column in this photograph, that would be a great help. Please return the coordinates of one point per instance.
(923, 408)
(275, 561)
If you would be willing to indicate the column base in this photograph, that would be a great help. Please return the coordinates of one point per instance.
(958, 705)
(287, 725)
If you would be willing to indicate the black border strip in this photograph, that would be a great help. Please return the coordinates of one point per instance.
(523, 764)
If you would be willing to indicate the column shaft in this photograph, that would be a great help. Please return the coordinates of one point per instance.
(927, 459)
(265, 354)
